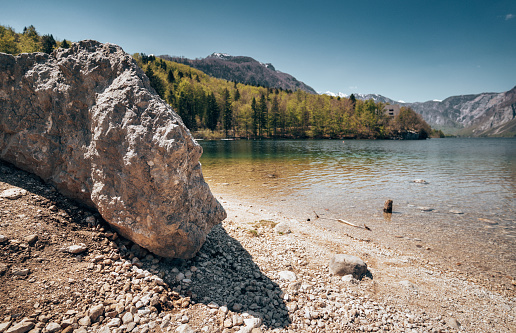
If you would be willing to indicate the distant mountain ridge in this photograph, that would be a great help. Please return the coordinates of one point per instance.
(485, 114)
(242, 69)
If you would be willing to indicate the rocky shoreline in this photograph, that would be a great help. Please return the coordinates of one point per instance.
(63, 270)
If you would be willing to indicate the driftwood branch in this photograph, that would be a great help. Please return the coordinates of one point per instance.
(344, 222)
(354, 225)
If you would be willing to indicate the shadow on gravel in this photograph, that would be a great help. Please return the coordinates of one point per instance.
(227, 276)
(224, 272)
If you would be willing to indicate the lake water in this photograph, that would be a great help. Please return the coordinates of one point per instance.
(463, 212)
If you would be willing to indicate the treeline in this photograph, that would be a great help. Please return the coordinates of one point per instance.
(215, 108)
(28, 41)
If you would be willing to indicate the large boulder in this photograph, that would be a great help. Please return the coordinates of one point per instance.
(86, 120)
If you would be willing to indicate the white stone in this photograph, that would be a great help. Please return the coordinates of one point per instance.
(287, 275)
(13, 193)
(185, 328)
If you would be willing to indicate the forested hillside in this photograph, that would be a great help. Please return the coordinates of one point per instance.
(245, 70)
(216, 108)
(213, 107)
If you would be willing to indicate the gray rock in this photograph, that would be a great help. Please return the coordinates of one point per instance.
(85, 321)
(13, 193)
(185, 328)
(115, 322)
(80, 330)
(31, 239)
(21, 271)
(453, 323)
(52, 327)
(86, 120)
(253, 322)
(76, 248)
(287, 275)
(3, 269)
(282, 228)
(96, 311)
(344, 264)
(4, 326)
(127, 318)
(21, 327)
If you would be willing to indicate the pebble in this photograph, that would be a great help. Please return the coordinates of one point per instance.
(76, 249)
(185, 328)
(53, 327)
(21, 327)
(13, 193)
(31, 239)
(287, 275)
(85, 321)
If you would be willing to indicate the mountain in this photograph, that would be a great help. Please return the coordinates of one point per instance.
(485, 114)
(364, 97)
(245, 70)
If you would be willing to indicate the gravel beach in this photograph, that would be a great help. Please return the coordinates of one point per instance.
(63, 270)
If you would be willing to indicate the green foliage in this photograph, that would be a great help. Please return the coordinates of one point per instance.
(65, 44)
(48, 43)
(212, 108)
(8, 42)
(28, 41)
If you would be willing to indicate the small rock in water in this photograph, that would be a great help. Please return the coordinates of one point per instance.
(458, 212)
(420, 181)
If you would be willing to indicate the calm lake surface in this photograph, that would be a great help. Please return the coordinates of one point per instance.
(465, 210)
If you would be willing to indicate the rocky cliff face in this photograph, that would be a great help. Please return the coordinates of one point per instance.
(86, 120)
(245, 70)
(478, 115)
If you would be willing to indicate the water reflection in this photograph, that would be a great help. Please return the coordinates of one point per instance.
(354, 178)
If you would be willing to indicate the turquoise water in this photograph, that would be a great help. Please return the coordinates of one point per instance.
(352, 179)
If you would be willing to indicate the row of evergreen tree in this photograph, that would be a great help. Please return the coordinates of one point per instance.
(213, 107)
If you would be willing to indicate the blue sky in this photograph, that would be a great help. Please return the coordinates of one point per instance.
(407, 50)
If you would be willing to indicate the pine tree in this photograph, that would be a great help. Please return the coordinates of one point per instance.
(274, 116)
(254, 110)
(48, 43)
(237, 95)
(65, 44)
(170, 76)
(155, 82)
(227, 112)
(263, 115)
(212, 112)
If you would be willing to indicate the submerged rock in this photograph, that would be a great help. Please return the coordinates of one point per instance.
(86, 120)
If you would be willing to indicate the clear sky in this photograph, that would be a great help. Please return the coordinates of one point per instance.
(415, 50)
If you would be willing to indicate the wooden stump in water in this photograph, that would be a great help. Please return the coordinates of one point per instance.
(387, 207)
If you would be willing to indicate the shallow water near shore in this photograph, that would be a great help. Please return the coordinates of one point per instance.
(461, 207)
